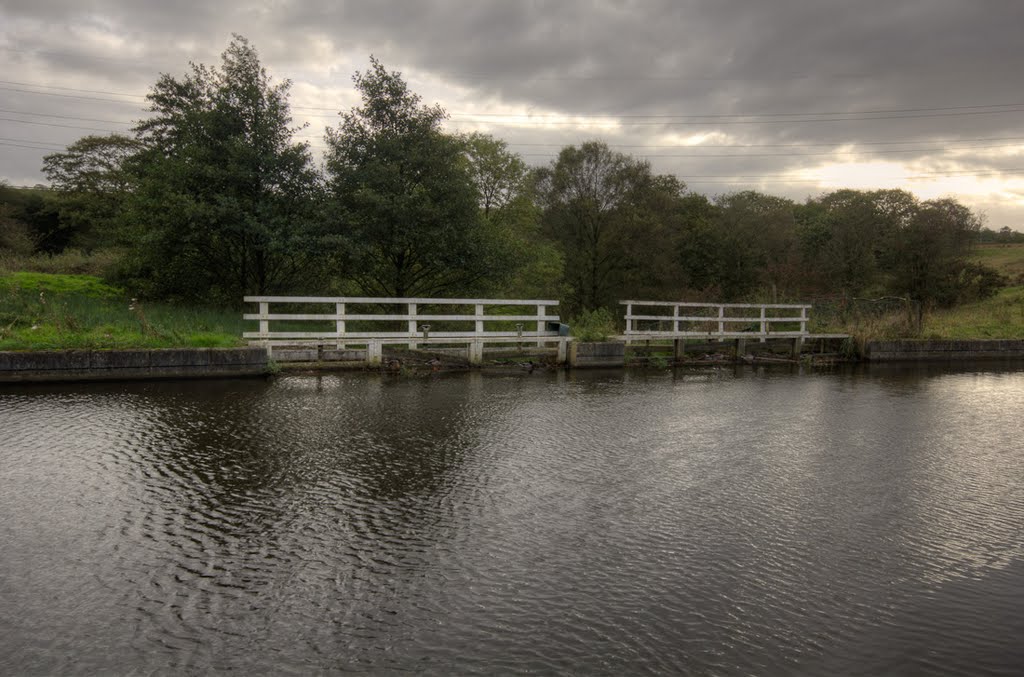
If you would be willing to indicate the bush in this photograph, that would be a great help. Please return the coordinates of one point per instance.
(102, 263)
(594, 325)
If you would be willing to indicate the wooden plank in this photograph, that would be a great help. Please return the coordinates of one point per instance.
(354, 337)
(708, 318)
(394, 318)
(404, 300)
(691, 304)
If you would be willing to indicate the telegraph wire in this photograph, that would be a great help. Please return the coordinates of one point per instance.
(689, 119)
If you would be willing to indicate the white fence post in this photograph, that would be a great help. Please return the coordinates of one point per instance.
(264, 323)
(412, 325)
(675, 319)
(803, 320)
(764, 324)
(629, 322)
(541, 312)
(340, 325)
(721, 324)
(374, 352)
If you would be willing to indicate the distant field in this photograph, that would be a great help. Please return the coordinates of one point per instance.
(1000, 317)
(1008, 259)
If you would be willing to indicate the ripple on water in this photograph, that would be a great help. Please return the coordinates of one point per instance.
(716, 521)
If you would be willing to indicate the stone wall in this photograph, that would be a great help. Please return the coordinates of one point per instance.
(105, 365)
(915, 350)
(607, 354)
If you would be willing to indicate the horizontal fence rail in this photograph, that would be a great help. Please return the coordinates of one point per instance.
(715, 320)
(344, 324)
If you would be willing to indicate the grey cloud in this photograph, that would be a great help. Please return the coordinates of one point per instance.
(649, 57)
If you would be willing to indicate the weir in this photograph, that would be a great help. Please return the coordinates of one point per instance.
(357, 329)
(739, 322)
(361, 326)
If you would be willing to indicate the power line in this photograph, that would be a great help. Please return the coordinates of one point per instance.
(747, 115)
(70, 96)
(560, 145)
(70, 89)
(669, 123)
(782, 145)
(66, 117)
(54, 124)
(46, 143)
(877, 114)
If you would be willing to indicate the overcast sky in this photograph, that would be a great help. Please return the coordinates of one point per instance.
(792, 97)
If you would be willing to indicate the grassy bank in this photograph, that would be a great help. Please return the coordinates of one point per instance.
(999, 317)
(40, 311)
(1008, 259)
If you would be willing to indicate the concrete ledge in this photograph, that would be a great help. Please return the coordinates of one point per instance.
(106, 365)
(918, 350)
(605, 354)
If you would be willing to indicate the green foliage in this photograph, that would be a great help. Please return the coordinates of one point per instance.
(83, 285)
(593, 325)
(1006, 259)
(611, 218)
(78, 312)
(100, 263)
(224, 197)
(34, 212)
(92, 181)
(403, 204)
(998, 317)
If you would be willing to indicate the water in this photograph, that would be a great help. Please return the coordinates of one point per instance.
(698, 522)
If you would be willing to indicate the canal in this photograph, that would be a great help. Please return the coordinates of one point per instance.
(716, 521)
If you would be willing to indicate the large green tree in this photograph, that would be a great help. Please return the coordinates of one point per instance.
(93, 182)
(609, 213)
(224, 196)
(403, 203)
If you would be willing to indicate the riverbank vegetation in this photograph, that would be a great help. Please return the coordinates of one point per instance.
(212, 196)
(41, 311)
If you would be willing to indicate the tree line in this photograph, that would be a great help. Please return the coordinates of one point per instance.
(211, 197)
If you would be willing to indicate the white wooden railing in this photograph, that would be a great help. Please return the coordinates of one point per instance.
(715, 320)
(374, 330)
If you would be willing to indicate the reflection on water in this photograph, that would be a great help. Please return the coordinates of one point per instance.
(732, 521)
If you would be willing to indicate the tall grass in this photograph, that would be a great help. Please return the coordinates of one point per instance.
(80, 312)
(999, 317)
(70, 261)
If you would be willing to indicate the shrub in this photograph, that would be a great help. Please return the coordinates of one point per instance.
(594, 325)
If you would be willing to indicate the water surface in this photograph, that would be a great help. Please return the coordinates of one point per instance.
(722, 521)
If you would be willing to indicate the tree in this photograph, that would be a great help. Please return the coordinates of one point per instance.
(931, 252)
(508, 210)
(93, 181)
(757, 241)
(224, 196)
(600, 206)
(402, 196)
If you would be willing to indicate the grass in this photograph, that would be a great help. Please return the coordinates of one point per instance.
(1008, 259)
(71, 261)
(41, 311)
(1001, 316)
